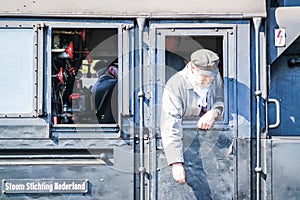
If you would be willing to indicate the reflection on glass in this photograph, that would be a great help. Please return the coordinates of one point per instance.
(178, 49)
(80, 60)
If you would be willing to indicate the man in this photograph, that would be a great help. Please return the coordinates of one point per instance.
(174, 62)
(105, 93)
(197, 90)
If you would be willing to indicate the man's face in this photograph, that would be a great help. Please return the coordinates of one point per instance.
(171, 43)
(201, 79)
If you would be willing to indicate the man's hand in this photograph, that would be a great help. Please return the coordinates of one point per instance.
(208, 119)
(178, 172)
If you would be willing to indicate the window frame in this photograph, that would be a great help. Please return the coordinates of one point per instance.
(125, 58)
(159, 30)
(36, 70)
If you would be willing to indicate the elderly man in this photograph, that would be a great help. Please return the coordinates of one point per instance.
(197, 90)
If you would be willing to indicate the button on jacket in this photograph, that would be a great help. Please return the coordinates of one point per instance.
(179, 100)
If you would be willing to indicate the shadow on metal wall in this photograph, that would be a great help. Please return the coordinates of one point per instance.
(208, 167)
(209, 156)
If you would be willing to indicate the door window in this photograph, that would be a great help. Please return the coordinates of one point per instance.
(173, 49)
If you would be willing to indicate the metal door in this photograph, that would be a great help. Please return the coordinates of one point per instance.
(211, 162)
(284, 138)
(282, 159)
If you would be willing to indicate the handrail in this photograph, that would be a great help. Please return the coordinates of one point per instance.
(277, 104)
(141, 95)
(258, 170)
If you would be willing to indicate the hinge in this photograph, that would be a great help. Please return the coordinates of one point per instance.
(127, 27)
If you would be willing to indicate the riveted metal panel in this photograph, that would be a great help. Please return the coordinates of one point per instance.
(284, 79)
(106, 165)
(283, 17)
(102, 182)
(209, 168)
(217, 162)
(285, 168)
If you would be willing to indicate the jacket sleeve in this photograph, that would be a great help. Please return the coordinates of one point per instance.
(170, 124)
(217, 98)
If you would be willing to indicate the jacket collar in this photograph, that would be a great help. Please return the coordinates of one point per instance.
(185, 74)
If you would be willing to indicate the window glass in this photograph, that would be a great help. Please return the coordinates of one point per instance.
(178, 51)
(17, 73)
(84, 76)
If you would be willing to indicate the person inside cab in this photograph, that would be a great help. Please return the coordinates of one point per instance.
(174, 62)
(104, 91)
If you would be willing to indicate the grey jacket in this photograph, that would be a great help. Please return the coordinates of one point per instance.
(179, 100)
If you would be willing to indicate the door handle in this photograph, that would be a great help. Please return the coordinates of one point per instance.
(277, 104)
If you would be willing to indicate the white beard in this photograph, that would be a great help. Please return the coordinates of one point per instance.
(199, 88)
(205, 85)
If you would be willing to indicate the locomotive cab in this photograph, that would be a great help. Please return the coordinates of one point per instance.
(52, 143)
(74, 53)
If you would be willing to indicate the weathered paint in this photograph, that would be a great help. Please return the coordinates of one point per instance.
(131, 8)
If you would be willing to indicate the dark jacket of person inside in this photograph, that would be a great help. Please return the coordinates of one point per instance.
(105, 92)
(174, 62)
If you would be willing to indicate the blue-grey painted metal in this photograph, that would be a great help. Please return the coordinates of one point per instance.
(141, 96)
(257, 24)
(24, 56)
(209, 167)
(283, 140)
(284, 73)
(103, 182)
(285, 162)
(240, 158)
(33, 148)
(277, 106)
(235, 79)
(282, 17)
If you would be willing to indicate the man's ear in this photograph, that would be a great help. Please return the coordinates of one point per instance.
(113, 72)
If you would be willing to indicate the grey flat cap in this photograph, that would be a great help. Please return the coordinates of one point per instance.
(205, 60)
